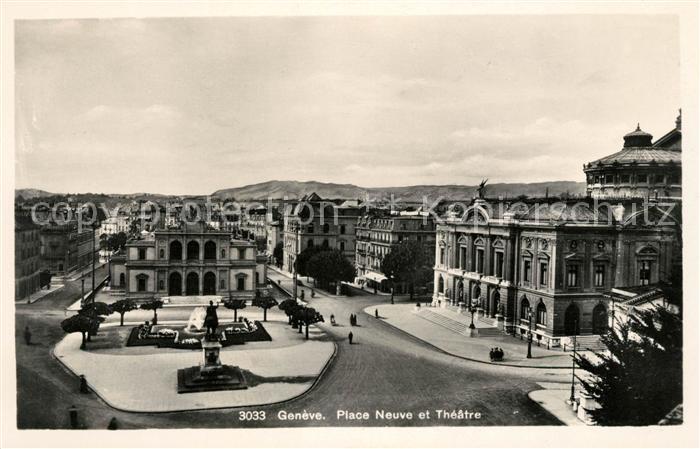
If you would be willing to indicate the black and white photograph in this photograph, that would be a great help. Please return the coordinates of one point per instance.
(320, 217)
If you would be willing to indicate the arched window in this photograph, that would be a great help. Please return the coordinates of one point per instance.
(524, 309)
(541, 314)
(175, 250)
(193, 250)
(600, 319)
(210, 250)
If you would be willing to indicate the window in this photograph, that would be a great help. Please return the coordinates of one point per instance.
(644, 272)
(222, 284)
(624, 179)
(223, 253)
(141, 284)
(326, 228)
(674, 179)
(525, 309)
(599, 277)
(659, 179)
(162, 253)
(498, 268)
(325, 243)
(609, 179)
(527, 270)
(462, 257)
(544, 273)
(342, 246)
(572, 275)
(642, 179)
(161, 285)
(442, 256)
(241, 253)
(541, 314)
(241, 283)
(342, 229)
(142, 253)
(310, 243)
(310, 229)
(479, 260)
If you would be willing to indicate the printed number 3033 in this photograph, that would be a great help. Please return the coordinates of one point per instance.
(251, 415)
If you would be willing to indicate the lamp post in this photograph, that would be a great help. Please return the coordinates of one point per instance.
(472, 310)
(82, 292)
(294, 265)
(573, 364)
(529, 334)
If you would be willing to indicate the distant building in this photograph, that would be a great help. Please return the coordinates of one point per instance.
(377, 233)
(27, 256)
(192, 260)
(553, 266)
(115, 225)
(65, 248)
(318, 222)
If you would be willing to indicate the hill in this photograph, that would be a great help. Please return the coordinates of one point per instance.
(297, 189)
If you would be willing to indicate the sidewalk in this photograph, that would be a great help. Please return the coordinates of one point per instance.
(402, 317)
(36, 296)
(554, 401)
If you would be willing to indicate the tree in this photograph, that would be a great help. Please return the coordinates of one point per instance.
(331, 266)
(626, 382)
(80, 323)
(235, 305)
(307, 316)
(411, 262)
(97, 311)
(117, 241)
(154, 305)
(278, 253)
(301, 263)
(122, 307)
(289, 307)
(264, 302)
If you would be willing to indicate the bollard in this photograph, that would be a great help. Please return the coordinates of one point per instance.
(73, 413)
(83, 384)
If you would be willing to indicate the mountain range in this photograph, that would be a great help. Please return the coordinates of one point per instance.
(297, 189)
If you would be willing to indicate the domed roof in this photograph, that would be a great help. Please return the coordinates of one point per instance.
(638, 149)
(638, 138)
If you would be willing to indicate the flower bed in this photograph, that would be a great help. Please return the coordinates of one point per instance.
(178, 337)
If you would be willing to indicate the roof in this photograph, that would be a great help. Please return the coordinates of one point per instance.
(645, 155)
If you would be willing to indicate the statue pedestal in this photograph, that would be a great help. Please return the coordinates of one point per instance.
(211, 375)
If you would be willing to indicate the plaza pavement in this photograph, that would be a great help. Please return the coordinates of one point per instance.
(403, 317)
(132, 380)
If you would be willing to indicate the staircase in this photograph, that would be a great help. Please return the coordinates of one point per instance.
(457, 323)
(588, 342)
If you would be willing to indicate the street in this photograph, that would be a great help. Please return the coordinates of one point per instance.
(383, 371)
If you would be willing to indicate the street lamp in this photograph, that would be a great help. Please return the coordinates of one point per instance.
(573, 364)
(529, 334)
(294, 265)
(472, 309)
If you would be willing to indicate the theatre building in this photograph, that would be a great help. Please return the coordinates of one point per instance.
(552, 266)
(190, 260)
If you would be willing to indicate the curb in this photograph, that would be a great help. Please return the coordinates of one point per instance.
(461, 356)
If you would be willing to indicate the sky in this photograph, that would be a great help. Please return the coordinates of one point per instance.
(192, 105)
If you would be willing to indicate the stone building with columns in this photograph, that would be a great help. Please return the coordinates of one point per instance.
(550, 266)
(189, 260)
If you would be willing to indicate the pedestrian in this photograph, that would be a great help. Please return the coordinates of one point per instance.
(350, 337)
(376, 313)
(27, 336)
(352, 321)
(332, 319)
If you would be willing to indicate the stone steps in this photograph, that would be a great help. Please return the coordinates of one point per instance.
(587, 342)
(455, 325)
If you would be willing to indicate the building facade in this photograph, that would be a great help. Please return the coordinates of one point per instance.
(27, 256)
(377, 233)
(318, 222)
(65, 247)
(192, 260)
(551, 267)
